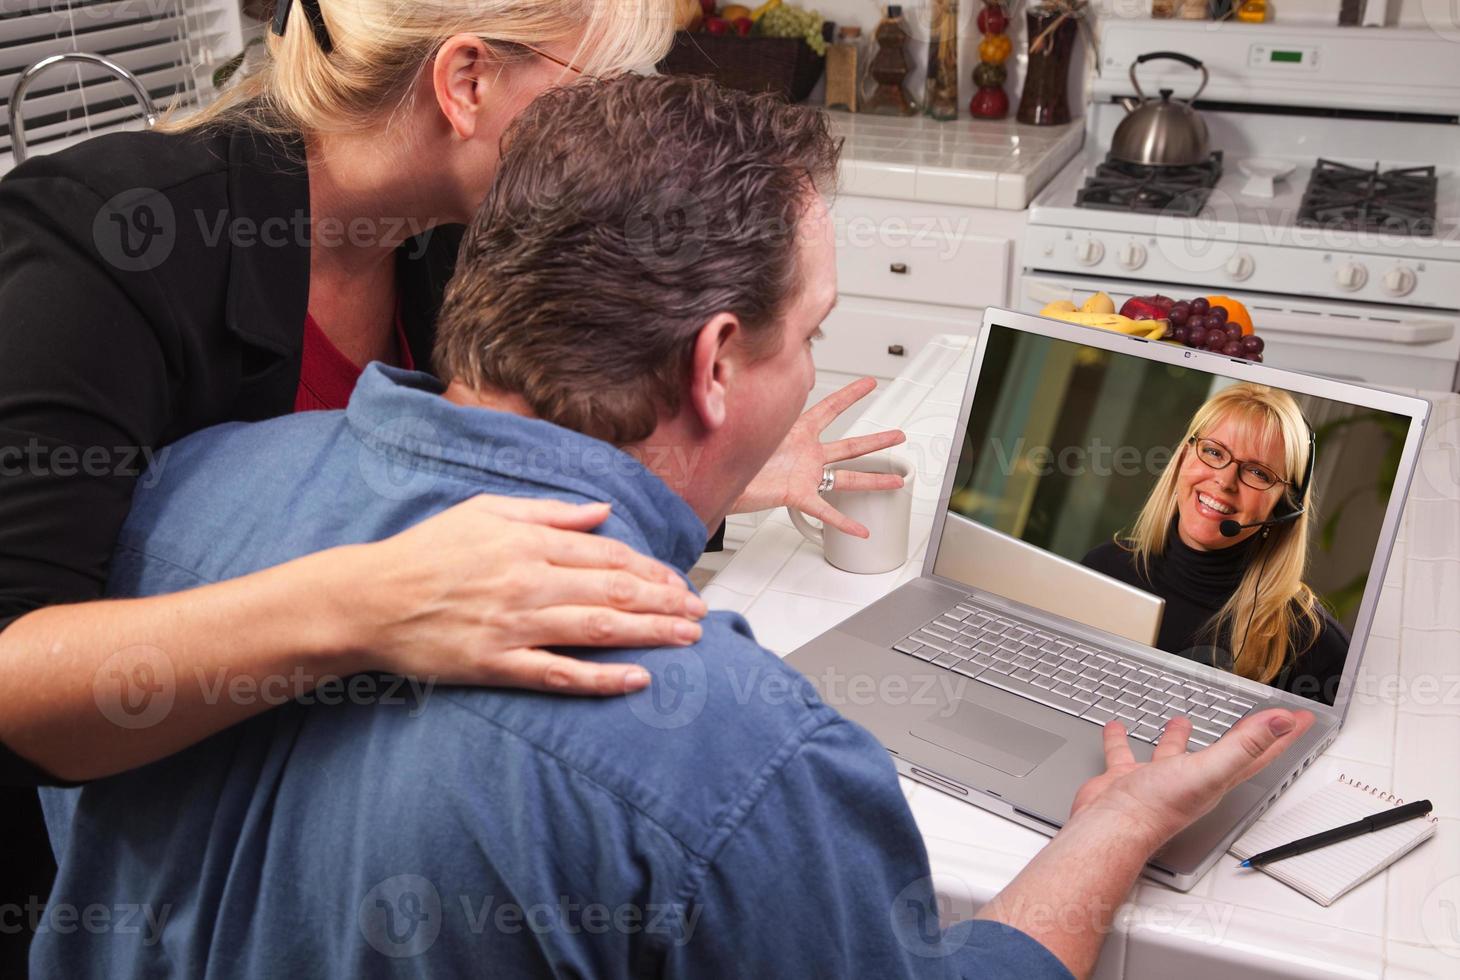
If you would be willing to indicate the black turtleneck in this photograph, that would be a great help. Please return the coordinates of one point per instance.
(1195, 585)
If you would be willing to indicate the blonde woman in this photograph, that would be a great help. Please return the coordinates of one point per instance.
(246, 263)
(1223, 538)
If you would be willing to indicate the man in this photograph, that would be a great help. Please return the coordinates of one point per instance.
(648, 275)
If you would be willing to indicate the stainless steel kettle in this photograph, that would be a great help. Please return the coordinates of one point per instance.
(1162, 132)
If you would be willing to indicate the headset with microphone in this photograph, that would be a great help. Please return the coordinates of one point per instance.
(1230, 528)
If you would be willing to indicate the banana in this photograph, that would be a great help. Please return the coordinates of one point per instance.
(1058, 307)
(1125, 325)
(1105, 321)
(1149, 329)
(763, 9)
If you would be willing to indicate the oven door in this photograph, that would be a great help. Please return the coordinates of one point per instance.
(1387, 346)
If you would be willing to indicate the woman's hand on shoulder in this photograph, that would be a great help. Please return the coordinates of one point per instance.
(474, 594)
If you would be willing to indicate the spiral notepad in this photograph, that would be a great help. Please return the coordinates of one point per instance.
(1325, 874)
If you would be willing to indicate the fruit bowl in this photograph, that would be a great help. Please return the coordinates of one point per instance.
(1219, 324)
(785, 65)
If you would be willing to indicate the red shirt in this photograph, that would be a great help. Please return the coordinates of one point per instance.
(327, 377)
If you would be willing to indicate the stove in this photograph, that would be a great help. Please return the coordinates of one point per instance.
(1350, 198)
(1352, 267)
(1120, 186)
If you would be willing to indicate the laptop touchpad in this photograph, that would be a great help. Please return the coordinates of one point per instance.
(983, 735)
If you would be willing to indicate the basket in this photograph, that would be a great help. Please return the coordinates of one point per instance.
(785, 65)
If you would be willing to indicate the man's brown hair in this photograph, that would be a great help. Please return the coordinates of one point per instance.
(626, 213)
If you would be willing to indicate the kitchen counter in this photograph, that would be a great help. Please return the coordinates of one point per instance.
(969, 162)
(1403, 731)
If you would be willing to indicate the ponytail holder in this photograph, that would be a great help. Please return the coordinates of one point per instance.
(312, 14)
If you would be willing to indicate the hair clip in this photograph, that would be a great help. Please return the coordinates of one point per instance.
(312, 14)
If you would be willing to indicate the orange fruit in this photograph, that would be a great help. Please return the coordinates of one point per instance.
(1236, 312)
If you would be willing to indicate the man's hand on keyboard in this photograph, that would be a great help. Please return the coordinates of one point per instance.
(1162, 797)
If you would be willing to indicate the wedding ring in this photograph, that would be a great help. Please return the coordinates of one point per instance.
(828, 481)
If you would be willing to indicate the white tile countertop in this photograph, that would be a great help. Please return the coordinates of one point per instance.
(968, 162)
(1402, 732)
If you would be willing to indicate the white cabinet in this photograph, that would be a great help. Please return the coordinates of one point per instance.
(880, 337)
(908, 271)
(968, 270)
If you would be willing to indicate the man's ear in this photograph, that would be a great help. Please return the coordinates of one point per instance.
(459, 79)
(715, 359)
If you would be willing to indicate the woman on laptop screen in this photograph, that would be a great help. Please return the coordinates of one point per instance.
(1223, 538)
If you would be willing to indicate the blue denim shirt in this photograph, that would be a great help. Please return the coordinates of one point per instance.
(723, 823)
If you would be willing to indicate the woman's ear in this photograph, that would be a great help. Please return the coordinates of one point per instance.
(713, 363)
(459, 80)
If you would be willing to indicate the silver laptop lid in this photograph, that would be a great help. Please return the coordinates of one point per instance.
(1066, 434)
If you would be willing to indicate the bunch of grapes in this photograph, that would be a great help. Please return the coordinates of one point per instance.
(1197, 323)
(788, 21)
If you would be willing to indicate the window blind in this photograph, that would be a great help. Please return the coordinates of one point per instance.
(170, 45)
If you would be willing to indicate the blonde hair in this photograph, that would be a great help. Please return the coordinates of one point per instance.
(381, 46)
(1284, 603)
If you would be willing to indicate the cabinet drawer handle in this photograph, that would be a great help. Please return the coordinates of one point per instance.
(897, 350)
(899, 268)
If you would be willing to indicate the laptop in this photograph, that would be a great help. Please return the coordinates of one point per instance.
(1061, 436)
(982, 558)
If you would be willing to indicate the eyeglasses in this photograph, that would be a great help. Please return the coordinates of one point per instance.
(550, 57)
(1219, 457)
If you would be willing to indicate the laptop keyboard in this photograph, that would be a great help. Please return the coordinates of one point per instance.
(1079, 680)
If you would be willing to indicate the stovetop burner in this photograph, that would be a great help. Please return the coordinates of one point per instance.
(1120, 186)
(1347, 198)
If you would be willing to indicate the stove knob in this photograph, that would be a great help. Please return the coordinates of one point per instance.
(1240, 266)
(1351, 276)
(1089, 252)
(1399, 281)
(1132, 256)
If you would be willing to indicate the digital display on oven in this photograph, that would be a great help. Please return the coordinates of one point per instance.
(1287, 57)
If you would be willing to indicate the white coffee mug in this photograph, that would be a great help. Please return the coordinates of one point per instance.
(884, 513)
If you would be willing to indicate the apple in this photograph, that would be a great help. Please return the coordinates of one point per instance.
(708, 6)
(717, 25)
(1147, 307)
(743, 26)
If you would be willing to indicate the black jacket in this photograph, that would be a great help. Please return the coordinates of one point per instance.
(150, 286)
(1196, 585)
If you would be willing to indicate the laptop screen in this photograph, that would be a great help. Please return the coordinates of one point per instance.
(1161, 477)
